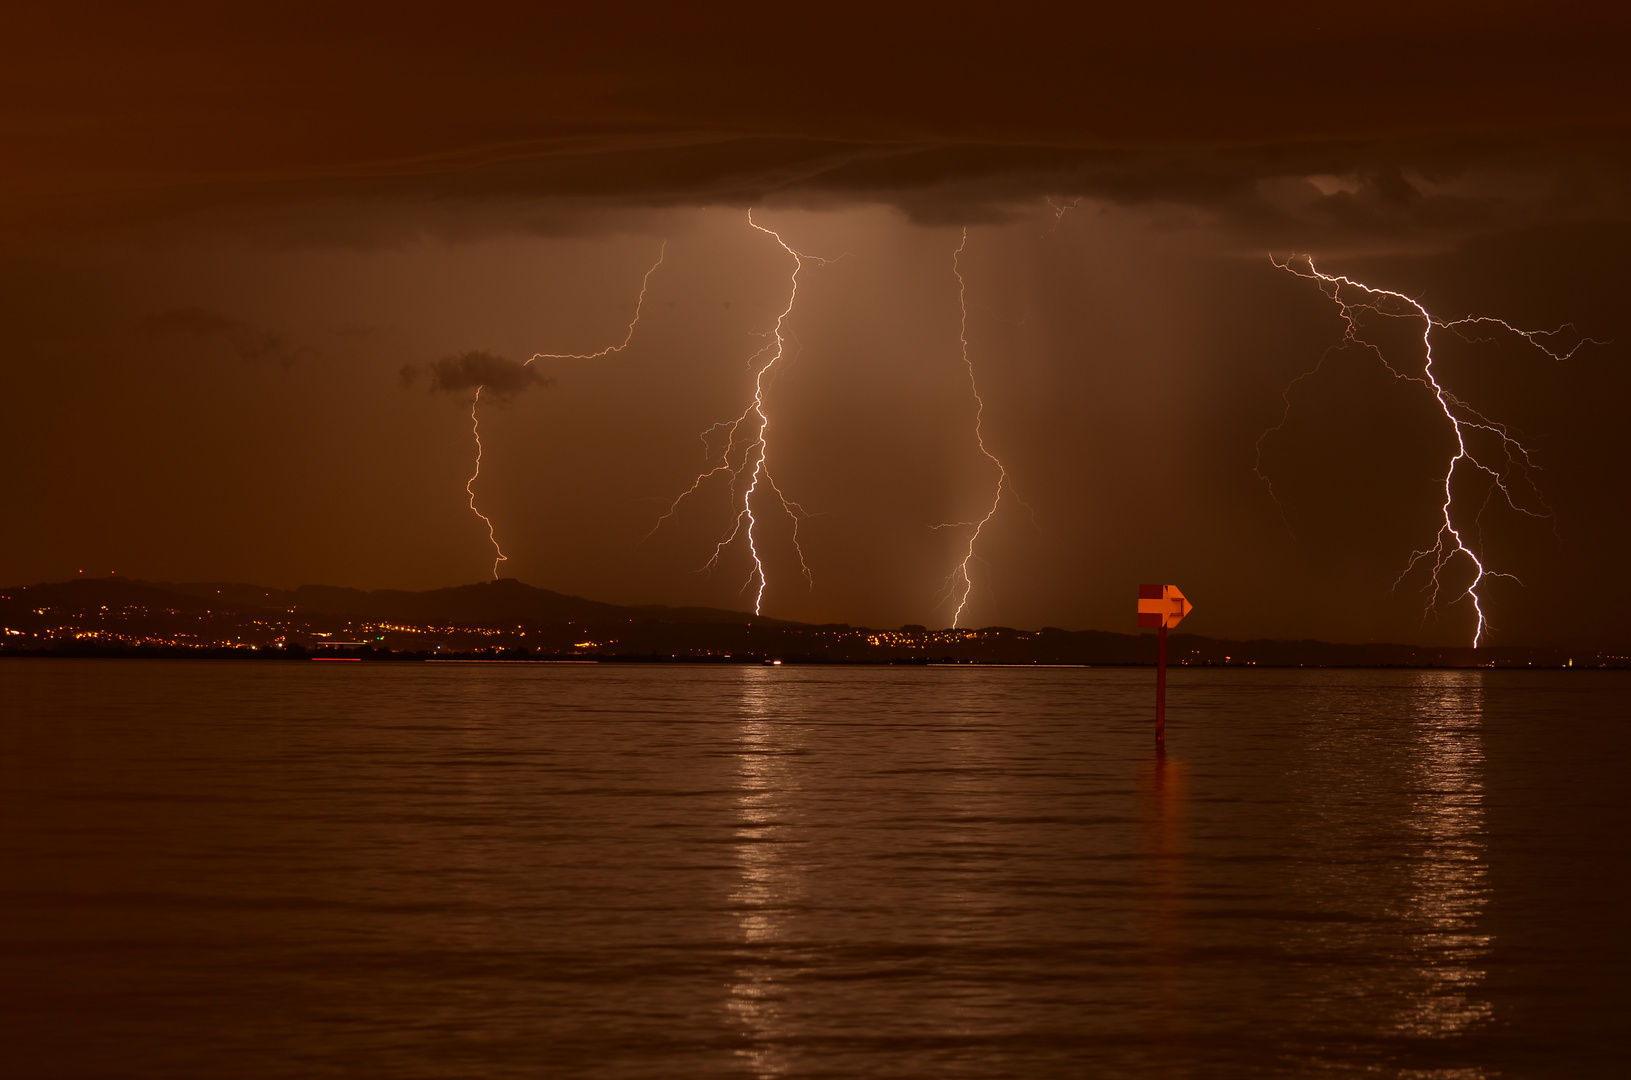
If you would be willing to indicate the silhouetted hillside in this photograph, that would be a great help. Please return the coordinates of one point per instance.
(506, 619)
(93, 593)
(489, 602)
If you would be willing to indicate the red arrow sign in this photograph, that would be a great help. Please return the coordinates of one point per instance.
(1161, 606)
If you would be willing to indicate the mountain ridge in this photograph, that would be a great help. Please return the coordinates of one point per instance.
(502, 599)
(507, 619)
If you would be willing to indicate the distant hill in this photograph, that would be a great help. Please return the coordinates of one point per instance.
(507, 619)
(488, 602)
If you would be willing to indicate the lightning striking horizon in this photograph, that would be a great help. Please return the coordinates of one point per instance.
(469, 486)
(755, 450)
(961, 574)
(1511, 462)
(475, 424)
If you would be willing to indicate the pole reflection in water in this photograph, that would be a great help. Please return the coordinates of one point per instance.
(1162, 790)
(770, 881)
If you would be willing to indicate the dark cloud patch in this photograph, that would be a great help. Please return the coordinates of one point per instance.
(249, 342)
(472, 371)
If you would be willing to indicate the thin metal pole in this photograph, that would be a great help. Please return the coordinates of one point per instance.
(1161, 688)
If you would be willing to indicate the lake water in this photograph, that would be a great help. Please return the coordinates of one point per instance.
(440, 870)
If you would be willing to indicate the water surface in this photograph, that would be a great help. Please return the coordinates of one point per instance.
(266, 870)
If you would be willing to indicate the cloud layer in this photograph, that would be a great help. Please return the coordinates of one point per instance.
(1423, 119)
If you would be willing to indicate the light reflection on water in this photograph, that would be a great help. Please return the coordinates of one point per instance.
(767, 791)
(1394, 879)
(757, 872)
(1449, 878)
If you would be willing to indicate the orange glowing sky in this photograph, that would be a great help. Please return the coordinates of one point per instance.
(225, 235)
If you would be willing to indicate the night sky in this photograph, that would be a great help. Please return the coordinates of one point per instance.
(254, 263)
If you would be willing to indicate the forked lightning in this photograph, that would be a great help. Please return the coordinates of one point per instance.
(1503, 460)
(745, 458)
(475, 424)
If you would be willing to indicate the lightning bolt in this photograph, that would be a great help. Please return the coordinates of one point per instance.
(639, 306)
(1060, 209)
(470, 487)
(745, 457)
(960, 578)
(475, 424)
(1513, 461)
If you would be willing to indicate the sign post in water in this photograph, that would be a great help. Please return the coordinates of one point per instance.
(1161, 607)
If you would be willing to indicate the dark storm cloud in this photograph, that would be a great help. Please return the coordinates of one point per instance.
(247, 341)
(1424, 119)
(1446, 186)
(1309, 192)
(494, 375)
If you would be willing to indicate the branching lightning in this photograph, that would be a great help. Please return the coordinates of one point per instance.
(475, 424)
(961, 583)
(1060, 209)
(745, 457)
(1503, 460)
